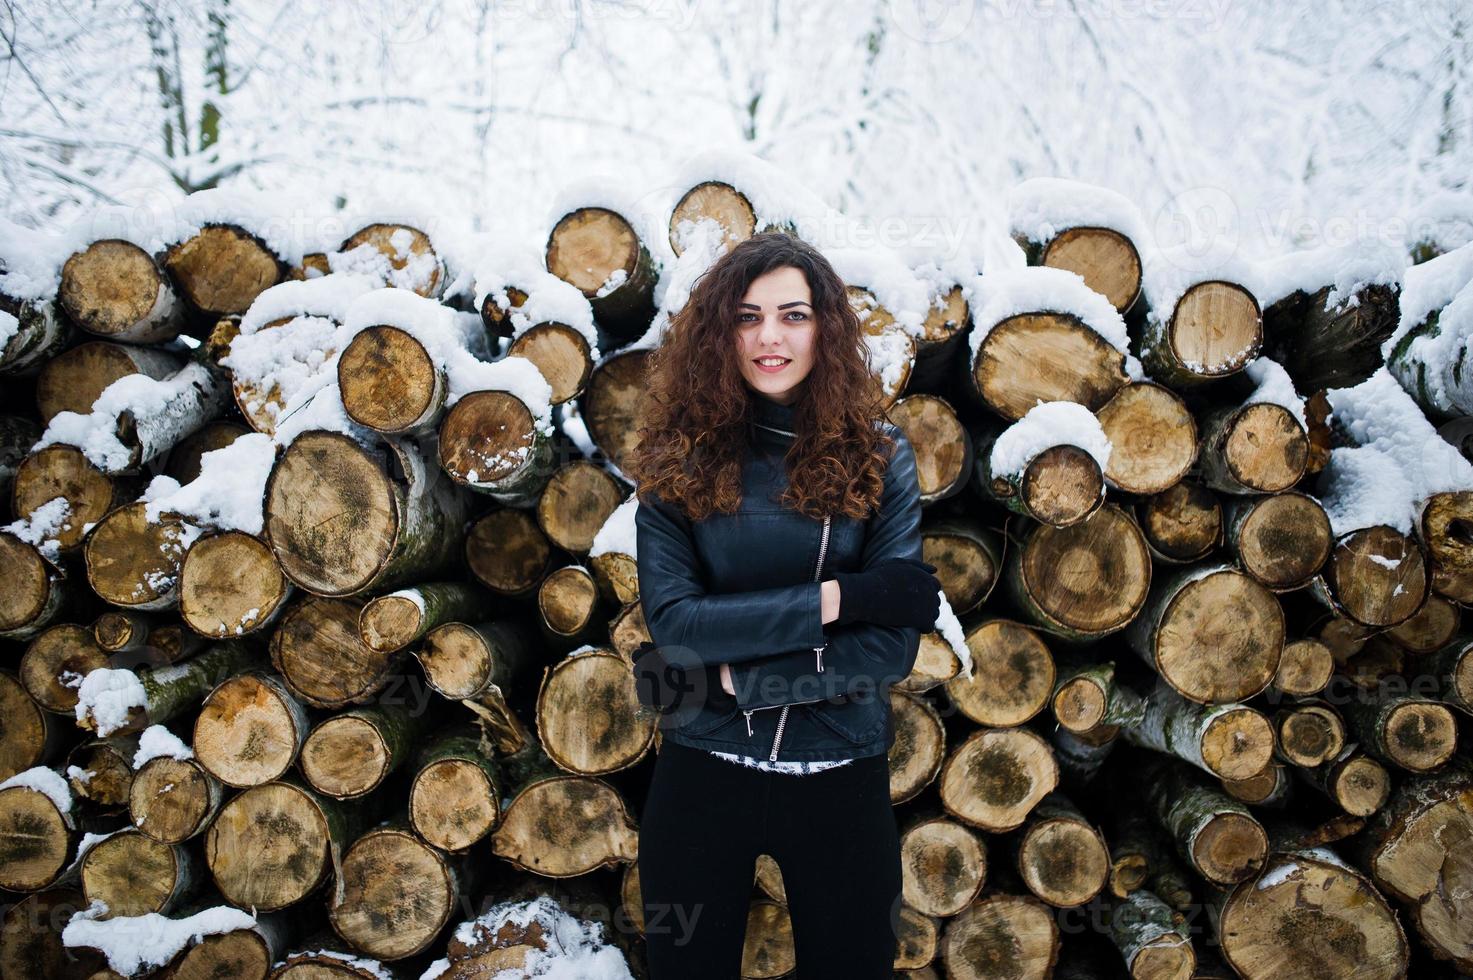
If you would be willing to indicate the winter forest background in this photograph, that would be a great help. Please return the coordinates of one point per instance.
(1278, 125)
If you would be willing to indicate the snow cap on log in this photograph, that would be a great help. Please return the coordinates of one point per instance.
(1346, 269)
(1040, 289)
(503, 264)
(138, 943)
(1046, 425)
(1041, 207)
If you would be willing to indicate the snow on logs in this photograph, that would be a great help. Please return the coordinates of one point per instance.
(358, 481)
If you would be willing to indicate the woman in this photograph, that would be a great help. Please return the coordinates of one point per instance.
(779, 560)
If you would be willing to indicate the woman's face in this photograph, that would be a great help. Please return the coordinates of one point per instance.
(775, 320)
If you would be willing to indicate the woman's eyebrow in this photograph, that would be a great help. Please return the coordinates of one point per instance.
(783, 306)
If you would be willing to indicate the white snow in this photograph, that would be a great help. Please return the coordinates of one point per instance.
(413, 595)
(951, 630)
(776, 197)
(40, 528)
(505, 263)
(1168, 273)
(227, 494)
(574, 949)
(887, 277)
(1048, 424)
(363, 963)
(617, 535)
(9, 327)
(155, 741)
(1430, 286)
(1346, 269)
(1275, 387)
(1042, 207)
(95, 434)
(1277, 875)
(577, 430)
(107, 696)
(135, 943)
(1397, 462)
(1039, 289)
(45, 781)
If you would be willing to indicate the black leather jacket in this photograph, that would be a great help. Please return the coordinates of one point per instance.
(743, 589)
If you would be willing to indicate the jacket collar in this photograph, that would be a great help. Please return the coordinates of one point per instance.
(773, 419)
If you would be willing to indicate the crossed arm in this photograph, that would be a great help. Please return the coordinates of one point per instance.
(768, 636)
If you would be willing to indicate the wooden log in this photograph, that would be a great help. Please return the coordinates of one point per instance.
(568, 604)
(114, 289)
(1152, 938)
(490, 442)
(352, 753)
(39, 836)
(1310, 733)
(1430, 628)
(918, 938)
(1354, 781)
(1051, 357)
(30, 735)
(1153, 438)
(577, 500)
(562, 355)
(63, 471)
(1376, 576)
(247, 954)
(716, 202)
(164, 692)
(72, 380)
(100, 770)
(397, 892)
(968, 557)
(1305, 668)
(1282, 539)
(1331, 347)
(1453, 667)
(1080, 757)
(1086, 696)
(995, 778)
(1001, 937)
(55, 663)
(1142, 857)
(1415, 850)
(1213, 331)
(260, 383)
(886, 343)
(559, 825)
(405, 519)
(507, 552)
(1308, 913)
(943, 865)
(1217, 835)
(464, 661)
(1442, 526)
(1270, 788)
(133, 874)
(174, 800)
(1182, 523)
(230, 584)
(318, 652)
(599, 251)
(390, 382)
(250, 730)
(943, 447)
(456, 793)
(610, 407)
(589, 718)
(919, 749)
(1062, 857)
(1403, 729)
(1228, 740)
(39, 335)
(399, 255)
(272, 845)
(1081, 582)
(1183, 634)
(394, 621)
(1012, 674)
(942, 338)
(1060, 485)
(30, 937)
(1105, 258)
(1258, 447)
(222, 268)
(134, 562)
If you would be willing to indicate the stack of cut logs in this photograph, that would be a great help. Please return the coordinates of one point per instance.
(1195, 733)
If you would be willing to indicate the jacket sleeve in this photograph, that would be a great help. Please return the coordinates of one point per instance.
(861, 657)
(713, 629)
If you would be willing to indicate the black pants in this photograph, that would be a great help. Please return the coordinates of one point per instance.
(832, 833)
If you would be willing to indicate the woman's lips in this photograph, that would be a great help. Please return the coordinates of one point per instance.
(765, 369)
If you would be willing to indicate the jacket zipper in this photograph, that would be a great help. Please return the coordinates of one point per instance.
(782, 719)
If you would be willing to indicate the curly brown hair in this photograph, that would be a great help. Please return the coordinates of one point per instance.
(693, 419)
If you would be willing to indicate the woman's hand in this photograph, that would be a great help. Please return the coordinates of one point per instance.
(896, 592)
(726, 684)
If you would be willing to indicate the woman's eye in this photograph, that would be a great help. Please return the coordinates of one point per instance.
(800, 315)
